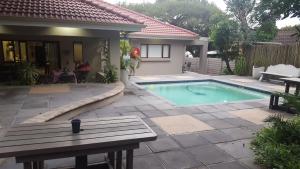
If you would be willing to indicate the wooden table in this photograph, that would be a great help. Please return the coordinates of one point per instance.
(291, 82)
(31, 144)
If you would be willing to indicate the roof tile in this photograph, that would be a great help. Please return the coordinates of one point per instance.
(73, 10)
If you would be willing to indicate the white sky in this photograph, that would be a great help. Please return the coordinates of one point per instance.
(221, 5)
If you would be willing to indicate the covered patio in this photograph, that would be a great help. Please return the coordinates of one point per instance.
(60, 40)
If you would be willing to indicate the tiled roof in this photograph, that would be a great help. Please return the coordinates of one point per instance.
(285, 37)
(63, 10)
(154, 28)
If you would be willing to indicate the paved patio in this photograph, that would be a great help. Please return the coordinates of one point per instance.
(195, 137)
(20, 103)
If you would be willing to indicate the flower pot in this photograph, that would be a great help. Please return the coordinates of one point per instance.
(124, 76)
(256, 72)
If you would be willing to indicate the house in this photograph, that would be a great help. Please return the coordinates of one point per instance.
(163, 45)
(60, 34)
(285, 36)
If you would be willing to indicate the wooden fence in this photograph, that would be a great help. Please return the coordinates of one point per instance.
(266, 55)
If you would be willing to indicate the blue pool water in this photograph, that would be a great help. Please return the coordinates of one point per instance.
(199, 93)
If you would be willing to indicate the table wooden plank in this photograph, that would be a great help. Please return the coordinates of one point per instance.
(74, 137)
(75, 145)
(83, 120)
(123, 126)
(68, 129)
(47, 126)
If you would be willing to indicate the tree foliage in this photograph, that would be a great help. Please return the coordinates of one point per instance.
(280, 8)
(242, 10)
(225, 36)
(194, 15)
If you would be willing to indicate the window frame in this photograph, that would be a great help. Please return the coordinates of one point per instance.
(162, 50)
(78, 42)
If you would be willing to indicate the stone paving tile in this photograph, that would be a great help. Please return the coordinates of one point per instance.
(204, 117)
(139, 114)
(223, 115)
(237, 149)
(216, 136)
(249, 162)
(173, 112)
(180, 124)
(145, 107)
(159, 131)
(189, 110)
(143, 150)
(163, 106)
(219, 124)
(201, 167)
(125, 109)
(147, 162)
(256, 116)
(154, 113)
(209, 109)
(224, 107)
(256, 104)
(190, 140)
(239, 106)
(238, 122)
(178, 160)
(209, 154)
(35, 104)
(163, 144)
(230, 165)
(238, 133)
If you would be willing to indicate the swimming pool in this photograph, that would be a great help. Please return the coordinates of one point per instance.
(204, 92)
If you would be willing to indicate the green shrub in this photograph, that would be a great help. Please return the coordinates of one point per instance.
(240, 66)
(110, 74)
(28, 74)
(278, 146)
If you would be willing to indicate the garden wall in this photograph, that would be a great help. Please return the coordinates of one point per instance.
(266, 55)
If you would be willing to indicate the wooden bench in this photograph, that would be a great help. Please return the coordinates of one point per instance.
(32, 144)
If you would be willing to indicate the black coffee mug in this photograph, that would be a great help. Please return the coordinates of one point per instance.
(76, 125)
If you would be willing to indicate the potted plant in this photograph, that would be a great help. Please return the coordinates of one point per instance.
(258, 68)
(125, 60)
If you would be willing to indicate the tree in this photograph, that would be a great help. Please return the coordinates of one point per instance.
(280, 8)
(225, 37)
(194, 15)
(242, 10)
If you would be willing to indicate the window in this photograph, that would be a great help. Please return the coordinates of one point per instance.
(14, 51)
(155, 51)
(78, 52)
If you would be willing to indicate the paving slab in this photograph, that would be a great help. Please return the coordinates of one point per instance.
(216, 136)
(163, 144)
(238, 149)
(256, 116)
(219, 124)
(239, 133)
(147, 162)
(229, 165)
(153, 113)
(180, 124)
(190, 140)
(178, 160)
(204, 117)
(209, 154)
